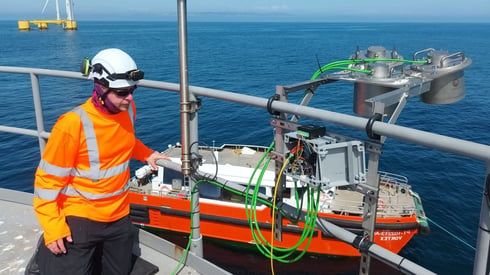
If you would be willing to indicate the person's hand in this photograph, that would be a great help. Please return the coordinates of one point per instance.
(58, 247)
(154, 157)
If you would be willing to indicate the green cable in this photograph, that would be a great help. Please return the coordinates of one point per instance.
(258, 237)
(312, 212)
(251, 178)
(338, 65)
(261, 241)
(296, 196)
(309, 223)
(186, 251)
(335, 64)
(451, 234)
(307, 233)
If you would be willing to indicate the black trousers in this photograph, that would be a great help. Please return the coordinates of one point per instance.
(97, 248)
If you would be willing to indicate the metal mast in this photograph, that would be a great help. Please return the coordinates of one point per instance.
(189, 128)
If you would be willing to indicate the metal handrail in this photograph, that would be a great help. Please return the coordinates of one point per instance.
(441, 142)
(431, 140)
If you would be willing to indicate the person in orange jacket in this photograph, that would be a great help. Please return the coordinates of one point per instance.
(81, 185)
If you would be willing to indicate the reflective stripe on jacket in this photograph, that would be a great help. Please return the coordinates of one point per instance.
(84, 169)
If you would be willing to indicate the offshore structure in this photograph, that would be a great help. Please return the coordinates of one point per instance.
(68, 24)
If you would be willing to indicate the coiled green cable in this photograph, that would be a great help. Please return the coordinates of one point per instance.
(262, 244)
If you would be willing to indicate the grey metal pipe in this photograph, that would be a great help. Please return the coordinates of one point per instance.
(482, 254)
(185, 107)
(56, 73)
(374, 250)
(444, 143)
(187, 119)
(22, 131)
(36, 95)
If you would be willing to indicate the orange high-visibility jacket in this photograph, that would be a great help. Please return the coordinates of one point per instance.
(84, 170)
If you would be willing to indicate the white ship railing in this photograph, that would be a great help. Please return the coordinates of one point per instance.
(444, 143)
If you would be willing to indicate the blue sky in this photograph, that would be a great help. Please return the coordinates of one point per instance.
(261, 10)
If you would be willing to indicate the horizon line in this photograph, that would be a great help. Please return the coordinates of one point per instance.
(205, 20)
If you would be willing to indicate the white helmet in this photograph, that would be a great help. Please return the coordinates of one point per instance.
(114, 69)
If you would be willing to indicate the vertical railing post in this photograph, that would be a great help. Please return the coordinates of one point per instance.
(371, 191)
(482, 254)
(370, 203)
(38, 110)
(279, 162)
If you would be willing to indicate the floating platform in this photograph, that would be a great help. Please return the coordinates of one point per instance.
(25, 25)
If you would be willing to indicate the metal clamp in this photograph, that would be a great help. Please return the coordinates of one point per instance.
(196, 105)
(369, 126)
(362, 243)
(190, 106)
(269, 104)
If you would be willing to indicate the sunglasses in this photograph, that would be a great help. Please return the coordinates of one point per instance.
(123, 92)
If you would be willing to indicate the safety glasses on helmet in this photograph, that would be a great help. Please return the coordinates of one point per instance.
(133, 75)
(123, 92)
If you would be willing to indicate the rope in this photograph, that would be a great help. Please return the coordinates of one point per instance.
(454, 236)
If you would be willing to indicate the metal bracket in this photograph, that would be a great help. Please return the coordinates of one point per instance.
(196, 105)
(284, 124)
(191, 106)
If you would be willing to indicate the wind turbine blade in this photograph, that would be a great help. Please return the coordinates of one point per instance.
(45, 5)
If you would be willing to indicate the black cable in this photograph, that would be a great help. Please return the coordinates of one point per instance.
(200, 157)
(318, 62)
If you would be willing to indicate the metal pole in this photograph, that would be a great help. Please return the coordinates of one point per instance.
(38, 110)
(370, 204)
(185, 104)
(371, 193)
(481, 264)
(279, 161)
(186, 115)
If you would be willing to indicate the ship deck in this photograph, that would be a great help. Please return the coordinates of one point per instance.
(20, 232)
(228, 154)
(395, 198)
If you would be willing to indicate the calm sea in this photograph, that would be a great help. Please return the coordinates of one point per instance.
(252, 58)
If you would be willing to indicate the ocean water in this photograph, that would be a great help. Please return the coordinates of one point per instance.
(252, 58)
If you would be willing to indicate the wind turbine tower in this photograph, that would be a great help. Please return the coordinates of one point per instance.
(68, 23)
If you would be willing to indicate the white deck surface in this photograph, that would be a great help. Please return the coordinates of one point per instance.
(19, 233)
